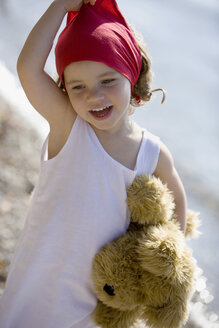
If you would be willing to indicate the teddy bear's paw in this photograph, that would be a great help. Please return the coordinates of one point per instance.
(149, 200)
(171, 315)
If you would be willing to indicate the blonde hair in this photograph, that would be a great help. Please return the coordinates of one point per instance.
(142, 89)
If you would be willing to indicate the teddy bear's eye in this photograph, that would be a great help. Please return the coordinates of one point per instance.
(109, 290)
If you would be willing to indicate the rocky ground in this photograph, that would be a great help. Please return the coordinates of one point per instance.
(19, 162)
(20, 148)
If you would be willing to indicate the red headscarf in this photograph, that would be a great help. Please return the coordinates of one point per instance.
(99, 33)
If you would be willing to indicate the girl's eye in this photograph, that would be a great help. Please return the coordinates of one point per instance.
(108, 81)
(78, 87)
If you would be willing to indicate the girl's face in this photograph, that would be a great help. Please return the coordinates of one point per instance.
(99, 94)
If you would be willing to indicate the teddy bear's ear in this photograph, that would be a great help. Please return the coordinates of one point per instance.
(149, 200)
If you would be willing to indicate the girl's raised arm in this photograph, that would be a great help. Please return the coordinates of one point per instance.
(41, 90)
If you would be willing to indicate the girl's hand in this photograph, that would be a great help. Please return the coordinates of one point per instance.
(71, 5)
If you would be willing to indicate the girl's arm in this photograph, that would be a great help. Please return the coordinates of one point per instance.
(41, 90)
(166, 171)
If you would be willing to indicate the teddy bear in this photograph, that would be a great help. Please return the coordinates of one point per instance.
(145, 277)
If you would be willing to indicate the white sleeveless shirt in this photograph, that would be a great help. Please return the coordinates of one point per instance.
(78, 205)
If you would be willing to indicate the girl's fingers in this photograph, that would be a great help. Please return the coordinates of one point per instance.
(92, 2)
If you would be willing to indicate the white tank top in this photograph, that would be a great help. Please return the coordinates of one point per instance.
(78, 205)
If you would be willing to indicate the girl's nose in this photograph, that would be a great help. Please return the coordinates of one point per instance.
(95, 95)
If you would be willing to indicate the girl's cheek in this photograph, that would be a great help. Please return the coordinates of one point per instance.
(74, 102)
(124, 90)
(75, 96)
(117, 89)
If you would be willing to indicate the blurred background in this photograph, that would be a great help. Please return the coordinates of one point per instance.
(182, 38)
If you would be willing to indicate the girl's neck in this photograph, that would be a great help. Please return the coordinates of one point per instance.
(124, 130)
(122, 145)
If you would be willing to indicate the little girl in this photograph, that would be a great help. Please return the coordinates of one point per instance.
(93, 152)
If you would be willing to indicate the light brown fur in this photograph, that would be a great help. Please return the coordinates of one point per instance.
(146, 274)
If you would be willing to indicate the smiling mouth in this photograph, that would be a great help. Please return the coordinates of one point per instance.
(101, 112)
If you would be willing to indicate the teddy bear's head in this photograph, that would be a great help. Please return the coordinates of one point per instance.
(147, 272)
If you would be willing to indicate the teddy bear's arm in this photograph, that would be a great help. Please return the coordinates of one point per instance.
(107, 317)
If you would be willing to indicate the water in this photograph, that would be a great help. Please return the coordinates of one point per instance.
(183, 40)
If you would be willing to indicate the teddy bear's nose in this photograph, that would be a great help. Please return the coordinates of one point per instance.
(109, 290)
